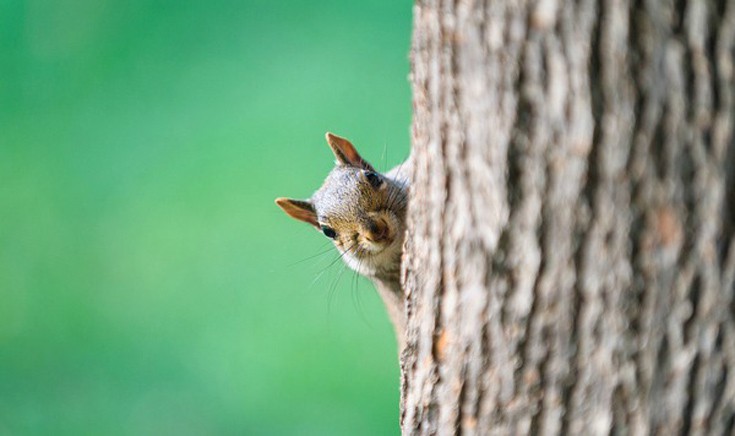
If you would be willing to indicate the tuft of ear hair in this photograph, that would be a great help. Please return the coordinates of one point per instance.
(346, 153)
(301, 210)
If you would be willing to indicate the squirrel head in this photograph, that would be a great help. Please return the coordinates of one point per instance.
(360, 210)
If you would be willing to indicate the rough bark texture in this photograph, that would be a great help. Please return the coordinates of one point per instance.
(570, 257)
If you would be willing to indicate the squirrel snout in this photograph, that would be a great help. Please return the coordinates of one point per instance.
(377, 230)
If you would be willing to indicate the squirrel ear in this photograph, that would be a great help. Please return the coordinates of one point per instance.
(346, 153)
(301, 210)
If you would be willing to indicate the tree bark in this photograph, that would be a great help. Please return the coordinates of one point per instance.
(570, 255)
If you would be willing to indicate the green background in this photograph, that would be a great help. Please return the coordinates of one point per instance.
(148, 284)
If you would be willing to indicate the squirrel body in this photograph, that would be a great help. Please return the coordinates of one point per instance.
(364, 213)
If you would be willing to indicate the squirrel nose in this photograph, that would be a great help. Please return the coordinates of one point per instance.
(377, 231)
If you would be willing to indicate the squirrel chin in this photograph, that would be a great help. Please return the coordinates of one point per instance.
(369, 264)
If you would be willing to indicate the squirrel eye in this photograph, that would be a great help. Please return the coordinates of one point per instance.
(329, 232)
(374, 179)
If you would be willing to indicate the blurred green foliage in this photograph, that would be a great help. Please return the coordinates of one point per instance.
(148, 284)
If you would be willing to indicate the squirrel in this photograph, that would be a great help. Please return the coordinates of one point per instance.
(363, 212)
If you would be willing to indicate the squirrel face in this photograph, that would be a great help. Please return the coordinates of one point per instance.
(360, 210)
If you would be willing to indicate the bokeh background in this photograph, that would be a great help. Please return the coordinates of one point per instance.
(148, 284)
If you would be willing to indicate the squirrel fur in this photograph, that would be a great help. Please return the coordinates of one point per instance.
(364, 213)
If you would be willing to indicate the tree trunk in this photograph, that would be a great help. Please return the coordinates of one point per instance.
(570, 258)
